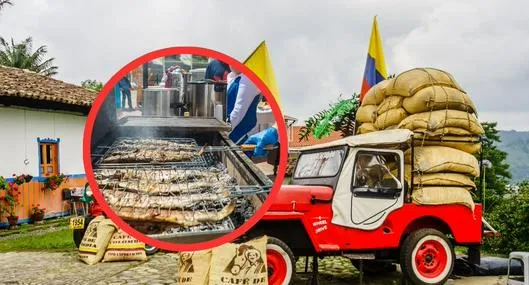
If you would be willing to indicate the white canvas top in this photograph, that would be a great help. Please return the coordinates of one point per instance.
(386, 137)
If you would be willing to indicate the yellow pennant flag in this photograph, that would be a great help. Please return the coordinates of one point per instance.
(260, 63)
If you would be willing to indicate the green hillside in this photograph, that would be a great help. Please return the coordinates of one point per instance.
(516, 144)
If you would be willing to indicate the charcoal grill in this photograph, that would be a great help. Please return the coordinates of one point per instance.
(249, 186)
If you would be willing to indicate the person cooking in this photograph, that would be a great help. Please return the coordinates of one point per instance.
(267, 137)
(217, 71)
(242, 98)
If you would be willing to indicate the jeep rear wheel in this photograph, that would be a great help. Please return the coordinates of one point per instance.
(427, 257)
(281, 262)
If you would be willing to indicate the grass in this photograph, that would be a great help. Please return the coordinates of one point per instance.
(463, 251)
(25, 228)
(56, 241)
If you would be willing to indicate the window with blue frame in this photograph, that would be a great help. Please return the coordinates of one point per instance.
(48, 157)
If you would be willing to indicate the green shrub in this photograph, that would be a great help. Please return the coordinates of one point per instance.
(510, 216)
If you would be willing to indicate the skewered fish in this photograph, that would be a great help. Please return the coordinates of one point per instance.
(165, 175)
(124, 146)
(159, 142)
(183, 218)
(155, 188)
(129, 199)
(149, 156)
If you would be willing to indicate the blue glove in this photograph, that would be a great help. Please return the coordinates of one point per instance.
(261, 139)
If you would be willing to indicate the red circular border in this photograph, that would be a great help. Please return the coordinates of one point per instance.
(107, 89)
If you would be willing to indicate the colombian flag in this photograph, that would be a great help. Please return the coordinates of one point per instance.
(260, 63)
(375, 70)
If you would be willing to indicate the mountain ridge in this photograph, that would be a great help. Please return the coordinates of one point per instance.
(516, 144)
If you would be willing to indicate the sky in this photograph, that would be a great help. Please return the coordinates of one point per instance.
(318, 48)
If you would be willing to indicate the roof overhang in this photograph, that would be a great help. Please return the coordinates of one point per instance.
(386, 138)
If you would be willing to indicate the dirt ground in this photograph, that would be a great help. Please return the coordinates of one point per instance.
(395, 279)
(339, 271)
(65, 268)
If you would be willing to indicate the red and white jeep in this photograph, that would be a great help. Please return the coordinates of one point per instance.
(349, 198)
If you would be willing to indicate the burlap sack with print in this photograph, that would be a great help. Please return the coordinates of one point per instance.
(96, 239)
(193, 267)
(243, 263)
(123, 247)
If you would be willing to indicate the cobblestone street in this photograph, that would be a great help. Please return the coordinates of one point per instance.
(65, 268)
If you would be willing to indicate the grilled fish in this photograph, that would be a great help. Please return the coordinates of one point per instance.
(129, 199)
(155, 188)
(154, 142)
(164, 175)
(182, 218)
(149, 156)
(124, 146)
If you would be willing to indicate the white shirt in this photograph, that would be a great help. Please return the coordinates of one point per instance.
(245, 95)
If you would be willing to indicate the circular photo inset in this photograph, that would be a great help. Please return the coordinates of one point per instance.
(184, 149)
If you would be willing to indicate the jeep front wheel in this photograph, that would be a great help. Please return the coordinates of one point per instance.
(281, 262)
(427, 257)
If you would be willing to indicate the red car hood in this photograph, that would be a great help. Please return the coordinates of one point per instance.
(300, 198)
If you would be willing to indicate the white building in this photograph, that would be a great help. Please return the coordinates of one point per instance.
(42, 122)
(41, 126)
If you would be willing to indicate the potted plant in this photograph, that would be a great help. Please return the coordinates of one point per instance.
(21, 179)
(53, 182)
(12, 202)
(37, 213)
(3, 188)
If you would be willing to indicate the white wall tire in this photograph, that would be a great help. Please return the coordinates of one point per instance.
(280, 261)
(427, 257)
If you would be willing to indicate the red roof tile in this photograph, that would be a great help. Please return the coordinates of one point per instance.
(295, 143)
(21, 83)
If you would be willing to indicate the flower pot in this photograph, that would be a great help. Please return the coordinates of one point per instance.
(12, 220)
(37, 217)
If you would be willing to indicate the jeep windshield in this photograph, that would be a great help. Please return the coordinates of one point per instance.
(320, 163)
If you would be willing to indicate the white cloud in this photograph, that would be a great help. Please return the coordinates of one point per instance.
(318, 48)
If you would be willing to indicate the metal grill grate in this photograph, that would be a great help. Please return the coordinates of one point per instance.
(130, 146)
(201, 195)
(174, 199)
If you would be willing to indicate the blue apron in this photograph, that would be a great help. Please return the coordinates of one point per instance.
(231, 96)
(238, 134)
(249, 121)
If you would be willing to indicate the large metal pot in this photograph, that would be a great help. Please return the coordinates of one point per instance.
(157, 101)
(218, 97)
(201, 98)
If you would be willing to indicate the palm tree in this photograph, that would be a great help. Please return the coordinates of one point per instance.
(21, 55)
(4, 3)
